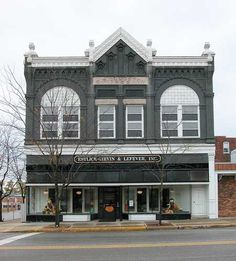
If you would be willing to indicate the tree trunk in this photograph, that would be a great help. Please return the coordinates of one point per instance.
(1, 210)
(161, 197)
(161, 203)
(57, 206)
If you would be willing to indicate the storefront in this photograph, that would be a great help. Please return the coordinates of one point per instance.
(128, 189)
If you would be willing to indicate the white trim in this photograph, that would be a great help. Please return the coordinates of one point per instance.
(83, 61)
(213, 187)
(82, 217)
(163, 61)
(227, 163)
(225, 172)
(116, 184)
(66, 61)
(120, 34)
(106, 102)
(141, 216)
(123, 149)
(134, 101)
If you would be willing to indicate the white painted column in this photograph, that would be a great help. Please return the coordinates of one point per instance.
(23, 212)
(213, 188)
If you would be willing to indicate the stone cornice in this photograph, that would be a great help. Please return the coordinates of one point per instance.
(174, 61)
(82, 61)
(67, 61)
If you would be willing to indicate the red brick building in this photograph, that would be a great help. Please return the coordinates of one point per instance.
(225, 167)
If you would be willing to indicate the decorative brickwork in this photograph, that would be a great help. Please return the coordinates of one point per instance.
(227, 196)
(225, 166)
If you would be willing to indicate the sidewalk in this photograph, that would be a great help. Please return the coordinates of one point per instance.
(96, 226)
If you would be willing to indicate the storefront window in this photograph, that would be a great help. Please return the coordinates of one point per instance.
(77, 200)
(63, 203)
(89, 200)
(38, 200)
(141, 200)
(129, 200)
(177, 199)
(153, 199)
(51, 195)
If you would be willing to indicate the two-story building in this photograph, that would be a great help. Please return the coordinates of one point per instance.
(135, 123)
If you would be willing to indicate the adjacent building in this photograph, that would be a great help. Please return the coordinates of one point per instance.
(129, 119)
(225, 167)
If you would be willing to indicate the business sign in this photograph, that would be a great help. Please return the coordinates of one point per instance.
(117, 159)
(120, 80)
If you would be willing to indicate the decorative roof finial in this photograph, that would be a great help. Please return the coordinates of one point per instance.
(149, 43)
(89, 52)
(207, 52)
(207, 46)
(31, 46)
(31, 53)
(151, 51)
(91, 43)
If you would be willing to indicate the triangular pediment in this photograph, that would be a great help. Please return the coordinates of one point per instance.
(118, 35)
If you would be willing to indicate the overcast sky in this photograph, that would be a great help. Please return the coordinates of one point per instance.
(60, 28)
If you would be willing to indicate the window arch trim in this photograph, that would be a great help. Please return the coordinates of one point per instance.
(180, 114)
(60, 114)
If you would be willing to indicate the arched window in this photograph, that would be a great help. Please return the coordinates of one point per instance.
(60, 117)
(180, 112)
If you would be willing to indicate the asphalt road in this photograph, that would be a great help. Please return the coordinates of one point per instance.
(201, 244)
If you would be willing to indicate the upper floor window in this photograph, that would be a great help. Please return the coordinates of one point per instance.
(134, 121)
(60, 117)
(180, 112)
(106, 122)
(226, 149)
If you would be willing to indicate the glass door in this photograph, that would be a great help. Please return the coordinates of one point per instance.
(109, 203)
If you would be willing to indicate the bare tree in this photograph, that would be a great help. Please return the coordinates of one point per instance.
(7, 144)
(59, 120)
(168, 152)
(163, 163)
(18, 171)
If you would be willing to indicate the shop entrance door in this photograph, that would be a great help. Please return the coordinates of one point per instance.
(109, 203)
(198, 201)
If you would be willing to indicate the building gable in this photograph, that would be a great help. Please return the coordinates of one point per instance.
(120, 59)
(120, 34)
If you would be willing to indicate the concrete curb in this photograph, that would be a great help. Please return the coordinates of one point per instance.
(71, 229)
(75, 229)
(205, 226)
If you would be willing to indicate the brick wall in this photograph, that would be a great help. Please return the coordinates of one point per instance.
(227, 197)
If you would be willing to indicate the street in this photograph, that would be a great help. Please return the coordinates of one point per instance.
(200, 244)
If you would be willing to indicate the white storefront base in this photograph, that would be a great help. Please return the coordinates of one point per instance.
(69, 218)
(140, 217)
